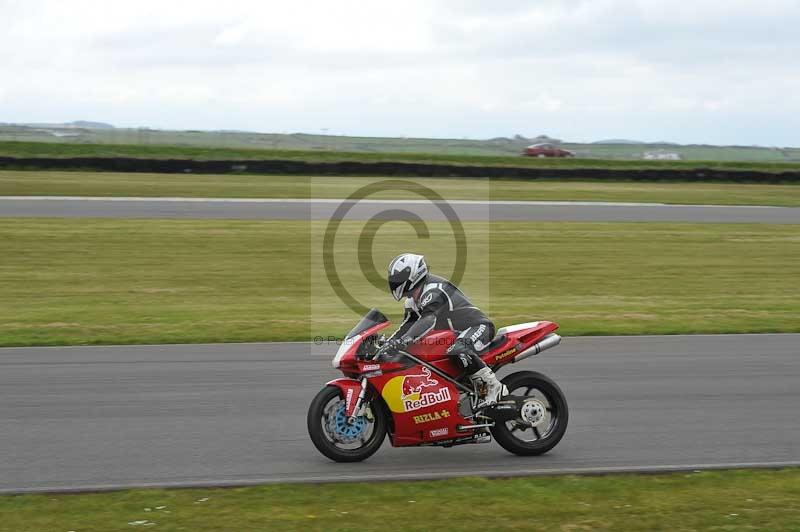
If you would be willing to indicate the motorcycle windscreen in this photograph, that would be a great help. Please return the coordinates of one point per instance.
(370, 319)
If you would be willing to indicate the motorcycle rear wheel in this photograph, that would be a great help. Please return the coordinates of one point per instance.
(339, 442)
(547, 405)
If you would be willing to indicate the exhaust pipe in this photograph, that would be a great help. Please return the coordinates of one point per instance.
(551, 340)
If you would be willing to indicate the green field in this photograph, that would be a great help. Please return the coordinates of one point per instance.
(27, 183)
(81, 281)
(499, 146)
(419, 155)
(729, 500)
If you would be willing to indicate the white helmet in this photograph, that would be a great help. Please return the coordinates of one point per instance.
(406, 272)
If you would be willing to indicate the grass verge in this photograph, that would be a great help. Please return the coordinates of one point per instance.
(61, 149)
(28, 183)
(87, 281)
(723, 500)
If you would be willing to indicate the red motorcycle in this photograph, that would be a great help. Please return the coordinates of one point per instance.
(417, 397)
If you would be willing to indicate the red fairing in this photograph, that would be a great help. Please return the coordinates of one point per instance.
(424, 406)
(345, 359)
(518, 339)
(434, 346)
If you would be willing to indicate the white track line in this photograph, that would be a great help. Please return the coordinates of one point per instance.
(395, 476)
(373, 201)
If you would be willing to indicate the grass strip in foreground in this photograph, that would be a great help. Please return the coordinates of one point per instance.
(100, 281)
(721, 500)
(82, 183)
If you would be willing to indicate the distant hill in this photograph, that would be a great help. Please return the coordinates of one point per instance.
(83, 124)
(618, 141)
(89, 125)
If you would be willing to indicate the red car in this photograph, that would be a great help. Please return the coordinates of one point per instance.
(547, 150)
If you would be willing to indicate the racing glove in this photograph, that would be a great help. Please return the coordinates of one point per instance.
(391, 346)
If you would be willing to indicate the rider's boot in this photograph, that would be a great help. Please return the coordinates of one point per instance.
(494, 388)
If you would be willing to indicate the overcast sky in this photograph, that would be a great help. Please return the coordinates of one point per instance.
(724, 71)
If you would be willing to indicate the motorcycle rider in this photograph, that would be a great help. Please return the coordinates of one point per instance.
(434, 303)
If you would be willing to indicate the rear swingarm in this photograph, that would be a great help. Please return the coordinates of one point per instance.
(507, 409)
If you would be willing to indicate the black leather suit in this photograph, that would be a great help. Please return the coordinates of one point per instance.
(441, 306)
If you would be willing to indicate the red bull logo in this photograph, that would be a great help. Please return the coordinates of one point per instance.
(427, 399)
(412, 392)
(415, 383)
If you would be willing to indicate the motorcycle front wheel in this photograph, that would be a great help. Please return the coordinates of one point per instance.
(542, 420)
(334, 437)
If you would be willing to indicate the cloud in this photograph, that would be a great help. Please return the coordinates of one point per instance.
(574, 69)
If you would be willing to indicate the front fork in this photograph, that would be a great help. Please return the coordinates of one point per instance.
(351, 419)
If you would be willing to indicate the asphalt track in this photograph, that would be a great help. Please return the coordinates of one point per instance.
(191, 415)
(325, 209)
